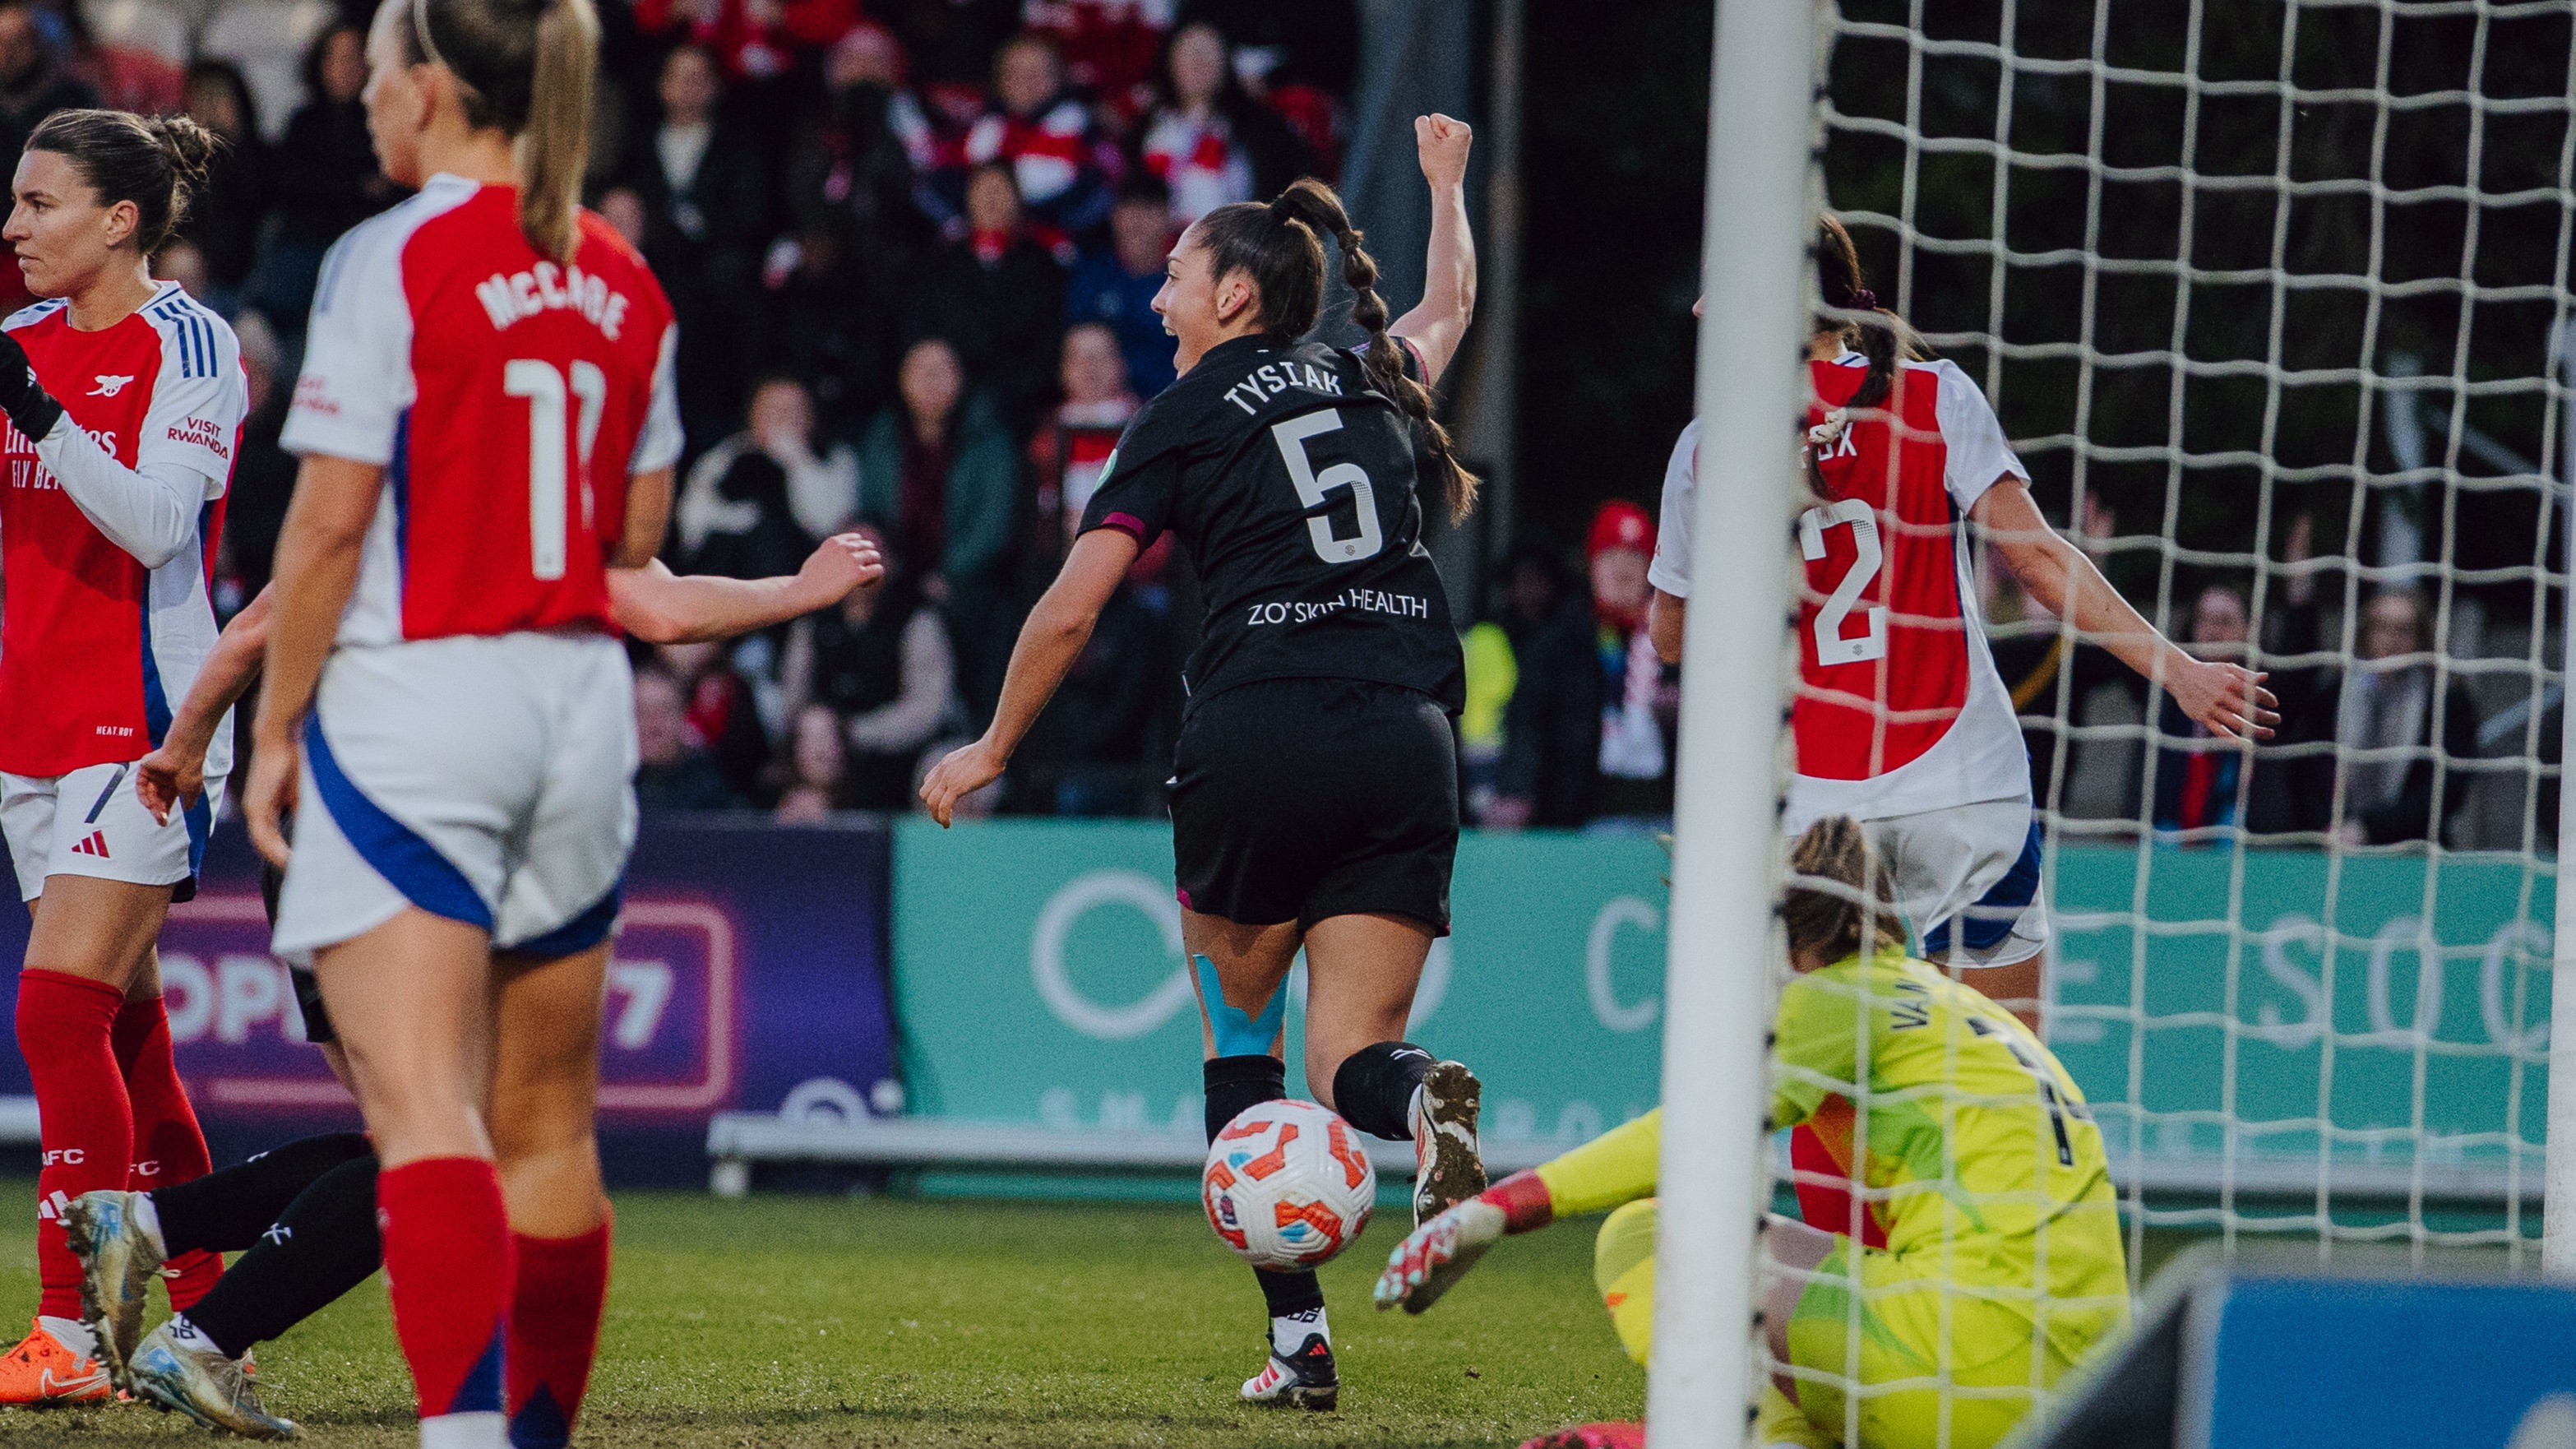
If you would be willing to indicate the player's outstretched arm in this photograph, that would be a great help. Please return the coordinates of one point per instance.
(2228, 700)
(151, 512)
(1439, 323)
(175, 774)
(1049, 643)
(317, 566)
(661, 607)
(648, 515)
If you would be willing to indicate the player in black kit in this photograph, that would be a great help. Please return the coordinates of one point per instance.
(1315, 790)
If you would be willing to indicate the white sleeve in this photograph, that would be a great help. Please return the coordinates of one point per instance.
(1671, 568)
(198, 404)
(660, 443)
(357, 355)
(149, 512)
(1973, 437)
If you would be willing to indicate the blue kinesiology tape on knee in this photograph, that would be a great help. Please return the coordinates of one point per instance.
(1239, 1033)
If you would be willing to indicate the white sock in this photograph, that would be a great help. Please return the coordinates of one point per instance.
(1413, 1112)
(1288, 1334)
(481, 1429)
(72, 1334)
(148, 1217)
(187, 1335)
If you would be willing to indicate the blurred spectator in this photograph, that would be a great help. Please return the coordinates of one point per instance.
(753, 39)
(829, 322)
(1087, 754)
(1299, 60)
(734, 519)
(1116, 287)
(179, 261)
(862, 151)
(951, 42)
(263, 473)
(127, 78)
(623, 210)
(2198, 787)
(1066, 168)
(32, 85)
(2385, 728)
(1209, 140)
(938, 468)
(703, 178)
(1589, 731)
(997, 295)
(723, 717)
(673, 770)
(820, 490)
(818, 780)
(1531, 592)
(882, 663)
(224, 218)
(1069, 450)
(326, 177)
(1109, 47)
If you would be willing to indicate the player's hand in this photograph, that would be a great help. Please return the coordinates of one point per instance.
(1437, 1255)
(1443, 143)
(961, 774)
(844, 562)
(2228, 700)
(270, 797)
(170, 778)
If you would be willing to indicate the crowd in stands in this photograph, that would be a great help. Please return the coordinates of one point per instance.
(913, 246)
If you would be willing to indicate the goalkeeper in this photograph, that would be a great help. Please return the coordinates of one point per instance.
(2003, 1264)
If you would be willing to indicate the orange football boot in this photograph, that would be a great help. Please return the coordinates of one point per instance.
(42, 1371)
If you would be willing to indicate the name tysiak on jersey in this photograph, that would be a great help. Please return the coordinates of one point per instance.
(1273, 378)
(1366, 601)
(546, 287)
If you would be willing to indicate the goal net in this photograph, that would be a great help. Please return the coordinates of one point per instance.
(2272, 299)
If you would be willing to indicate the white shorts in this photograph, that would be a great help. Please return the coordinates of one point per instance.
(485, 779)
(1968, 879)
(90, 822)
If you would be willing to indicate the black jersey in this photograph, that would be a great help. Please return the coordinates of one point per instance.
(1293, 484)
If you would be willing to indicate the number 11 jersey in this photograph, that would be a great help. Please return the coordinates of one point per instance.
(508, 399)
(1292, 482)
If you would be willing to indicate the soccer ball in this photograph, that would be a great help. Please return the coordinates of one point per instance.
(1288, 1185)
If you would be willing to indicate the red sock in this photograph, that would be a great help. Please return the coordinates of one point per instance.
(169, 1148)
(448, 1271)
(554, 1333)
(66, 1028)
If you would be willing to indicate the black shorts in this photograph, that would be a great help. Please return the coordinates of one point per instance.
(308, 989)
(1304, 799)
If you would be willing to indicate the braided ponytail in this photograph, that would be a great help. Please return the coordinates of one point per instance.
(1280, 246)
(1852, 312)
(1840, 898)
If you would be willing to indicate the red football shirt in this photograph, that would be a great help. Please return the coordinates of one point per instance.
(508, 399)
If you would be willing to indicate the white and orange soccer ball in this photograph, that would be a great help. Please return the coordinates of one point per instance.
(1288, 1185)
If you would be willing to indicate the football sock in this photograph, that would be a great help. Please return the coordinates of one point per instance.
(168, 1145)
(1375, 1087)
(555, 1310)
(66, 1027)
(227, 1211)
(448, 1271)
(1233, 1084)
(1288, 1331)
(321, 1245)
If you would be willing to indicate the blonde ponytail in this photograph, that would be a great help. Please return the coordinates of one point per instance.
(554, 150)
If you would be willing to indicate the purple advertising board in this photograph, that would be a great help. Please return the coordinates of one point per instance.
(749, 973)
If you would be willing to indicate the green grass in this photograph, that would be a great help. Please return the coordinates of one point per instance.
(877, 1322)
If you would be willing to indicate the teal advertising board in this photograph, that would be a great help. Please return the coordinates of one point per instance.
(1040, 979)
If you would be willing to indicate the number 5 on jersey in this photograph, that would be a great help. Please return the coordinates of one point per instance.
(1831, 646)
(1316, 490)
(545, 389)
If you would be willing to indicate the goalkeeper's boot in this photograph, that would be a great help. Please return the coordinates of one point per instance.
(1300, 1380)
(118, 1242)
(1448, 1166)
(193, 1376)
(1592, 1436)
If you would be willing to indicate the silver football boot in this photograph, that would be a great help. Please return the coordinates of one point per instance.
(196, 1379)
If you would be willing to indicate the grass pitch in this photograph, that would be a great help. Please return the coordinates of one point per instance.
(859, 1323)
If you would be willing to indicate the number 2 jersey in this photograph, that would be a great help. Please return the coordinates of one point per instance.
(1900, 708)
(1292, 482)
(508, 398)
(98, 647)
